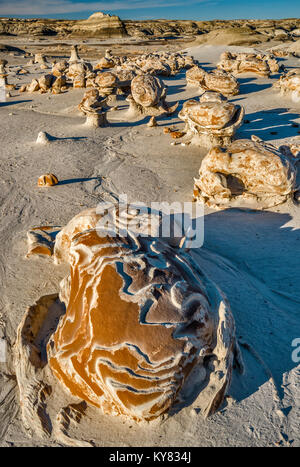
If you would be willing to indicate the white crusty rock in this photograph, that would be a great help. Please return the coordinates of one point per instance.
(74, 55)
(148, 97)
(43, 138)
(248, 173)
(212, 121)
(289, 84)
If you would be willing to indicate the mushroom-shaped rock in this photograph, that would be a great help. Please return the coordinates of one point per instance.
(76, 69)
(92, 105)
(211, 122)
(148, 97)
(140, 316)
(47, 180)
(107, 83)
(248, 173)
(289, 84)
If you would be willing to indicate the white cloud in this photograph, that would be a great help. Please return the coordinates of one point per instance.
(48, 7)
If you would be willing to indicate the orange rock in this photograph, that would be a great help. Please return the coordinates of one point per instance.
(47, 180)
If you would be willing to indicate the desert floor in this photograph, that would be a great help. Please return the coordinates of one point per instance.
(252, 255)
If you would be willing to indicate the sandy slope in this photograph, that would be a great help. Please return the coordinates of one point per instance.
(253, 256)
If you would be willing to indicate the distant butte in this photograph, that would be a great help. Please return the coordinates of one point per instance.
(101, 25)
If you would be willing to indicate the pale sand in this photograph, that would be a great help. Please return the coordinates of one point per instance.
(253, 256)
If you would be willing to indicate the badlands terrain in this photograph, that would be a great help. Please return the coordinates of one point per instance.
(251, 254)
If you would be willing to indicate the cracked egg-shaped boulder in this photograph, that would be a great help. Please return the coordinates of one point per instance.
(194, 76)
(220, 81)
(106, 81)
(212, 121)
(147, 90)
(140, 316)
(289, 84)
(248, 173)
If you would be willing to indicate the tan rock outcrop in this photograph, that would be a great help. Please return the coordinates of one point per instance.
(248, 173)
(106, 82)
(212, 120)
(104, 64)
(255, 63)
(289, 84)
(117, 366)
(148, 97)
(217, 80)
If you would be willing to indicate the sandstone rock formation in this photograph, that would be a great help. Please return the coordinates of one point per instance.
(248, 173)
(148, 97)
(217, 80)
(43, 138)
(289, 84)
(47, 180)
(153, 314)
(238, 63)
(39, 242)
(92, 105)
(212, 121)
(233, 32)
(74, 58)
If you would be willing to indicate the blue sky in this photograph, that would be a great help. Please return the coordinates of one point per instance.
(151, 9)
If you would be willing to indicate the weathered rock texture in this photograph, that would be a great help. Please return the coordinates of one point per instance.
(238, 63)
(212, 121)
(135, 316)
(249, 173)
(234, 32)
(148, 97)
(289, 84)
(93, 106)
(217, 80)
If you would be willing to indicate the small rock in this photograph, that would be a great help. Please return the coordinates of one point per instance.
(152, 122)
(43, 138)
(47, 180)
